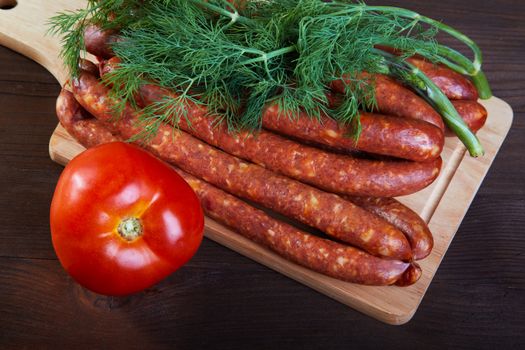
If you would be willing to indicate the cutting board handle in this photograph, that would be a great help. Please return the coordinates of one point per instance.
(24, 28)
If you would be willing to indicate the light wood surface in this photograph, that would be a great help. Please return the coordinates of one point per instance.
(443, 204)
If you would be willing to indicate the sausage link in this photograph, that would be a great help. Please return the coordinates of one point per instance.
(98, 42)
(320, 255)
(329, 171)
(454, 85)
(380, 134)
(328, 212)
(82, 127)
(88, 66)
(412, 274)
(394, 99)
(472, 112)
(402, 217)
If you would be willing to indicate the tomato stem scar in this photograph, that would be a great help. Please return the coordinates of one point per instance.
(130, 229)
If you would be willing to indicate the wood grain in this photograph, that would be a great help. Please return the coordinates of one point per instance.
(223, 300)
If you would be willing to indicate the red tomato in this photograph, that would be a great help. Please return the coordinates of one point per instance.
(122, 220)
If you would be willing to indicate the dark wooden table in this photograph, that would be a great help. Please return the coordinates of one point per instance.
(224, 300)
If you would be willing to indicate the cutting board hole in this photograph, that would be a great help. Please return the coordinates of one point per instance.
(7, 4)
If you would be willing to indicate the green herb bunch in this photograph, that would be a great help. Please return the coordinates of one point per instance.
(237, 59)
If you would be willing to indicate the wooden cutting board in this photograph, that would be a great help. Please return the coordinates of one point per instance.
(443, 204)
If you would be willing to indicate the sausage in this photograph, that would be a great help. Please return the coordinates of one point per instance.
(328, 212)
(386, 135)
(380, 134)
(412, 273)
(82, 127)
(454, 85)
(318, 254)
(88, 66)
(329, 171)
(472, 112)
(98, 42)
(402, 217)
(109, 65)
(394, 99)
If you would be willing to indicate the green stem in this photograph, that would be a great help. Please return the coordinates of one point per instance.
(452, 58)
(479, 79)
(267, 56)
(482, 84)
(234, 16)
(130, 229)
(428, 90)
(447, 54)
(449, 113)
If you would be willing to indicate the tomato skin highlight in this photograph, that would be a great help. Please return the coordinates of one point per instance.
(110, 183)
